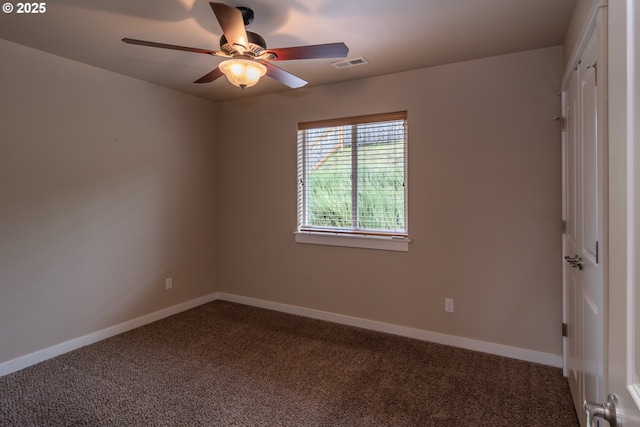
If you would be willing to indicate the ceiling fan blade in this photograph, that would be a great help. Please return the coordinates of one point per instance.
(214, 74)
(232, 24)
(174, 47)
(283, 76)
(328, 50)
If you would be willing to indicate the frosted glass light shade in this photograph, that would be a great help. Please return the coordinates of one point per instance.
(242, 72)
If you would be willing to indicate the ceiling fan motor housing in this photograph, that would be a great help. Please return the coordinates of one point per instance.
(256, 45)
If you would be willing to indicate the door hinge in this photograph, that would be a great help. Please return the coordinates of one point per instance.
(565, 330)
(564, 226)
(563, 122)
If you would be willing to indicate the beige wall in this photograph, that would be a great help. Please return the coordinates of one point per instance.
(106, 188)
(109, 185)
(484, 202)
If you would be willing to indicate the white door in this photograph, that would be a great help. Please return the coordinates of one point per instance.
(584, 239)
(623, 333)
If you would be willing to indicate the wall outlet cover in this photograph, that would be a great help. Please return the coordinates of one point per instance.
(448, 305)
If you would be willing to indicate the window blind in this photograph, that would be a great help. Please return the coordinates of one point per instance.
(352, 175)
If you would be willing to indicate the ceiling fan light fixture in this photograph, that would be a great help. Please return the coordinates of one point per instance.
(242, 72)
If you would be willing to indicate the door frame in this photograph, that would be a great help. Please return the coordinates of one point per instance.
(624, 274)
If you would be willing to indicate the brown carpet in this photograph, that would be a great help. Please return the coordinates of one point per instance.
(226, 364)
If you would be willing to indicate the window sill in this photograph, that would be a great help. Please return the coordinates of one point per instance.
(354, 241)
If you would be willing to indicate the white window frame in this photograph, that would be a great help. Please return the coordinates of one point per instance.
(393, 241)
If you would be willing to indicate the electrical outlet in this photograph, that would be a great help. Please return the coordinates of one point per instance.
(168, 283)
(448, 305)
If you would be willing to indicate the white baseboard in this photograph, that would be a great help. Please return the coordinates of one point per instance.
(549, 359)
(22, 362)
(74, 344)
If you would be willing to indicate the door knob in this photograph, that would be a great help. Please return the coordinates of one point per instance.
(574, 261)
(607, 411)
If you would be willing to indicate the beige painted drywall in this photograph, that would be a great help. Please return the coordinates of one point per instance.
(108, 185)
(106, 188)
(484, 202)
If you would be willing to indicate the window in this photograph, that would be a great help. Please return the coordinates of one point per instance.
(352, 181)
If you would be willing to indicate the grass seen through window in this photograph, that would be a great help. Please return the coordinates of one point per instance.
(380, 188)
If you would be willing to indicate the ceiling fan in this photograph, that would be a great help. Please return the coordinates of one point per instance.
(247, 55)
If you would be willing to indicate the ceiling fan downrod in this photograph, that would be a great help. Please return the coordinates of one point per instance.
(247, 14)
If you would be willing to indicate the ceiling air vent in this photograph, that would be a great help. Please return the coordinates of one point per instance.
(350, 62)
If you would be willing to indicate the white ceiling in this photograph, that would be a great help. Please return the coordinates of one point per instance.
(393, 35)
